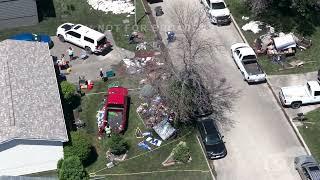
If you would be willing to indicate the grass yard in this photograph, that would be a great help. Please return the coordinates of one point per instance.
(311, 56)
(139, 160)
(56, 12)
(310, 132)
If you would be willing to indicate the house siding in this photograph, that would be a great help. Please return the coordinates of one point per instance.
(20, 157)
(14, 13)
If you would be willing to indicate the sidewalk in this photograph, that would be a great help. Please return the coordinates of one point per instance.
(278, 81)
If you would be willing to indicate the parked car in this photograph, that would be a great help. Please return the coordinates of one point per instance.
(218, 11)
(115, 106)
(212, 141)
(295, 96)
(246, 60)
(33, 37)
(89, 39)
(307, 167)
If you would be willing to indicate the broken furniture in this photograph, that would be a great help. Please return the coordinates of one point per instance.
(158, 11)
(304, 43)
(285, 44)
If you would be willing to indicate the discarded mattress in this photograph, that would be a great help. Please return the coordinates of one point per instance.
(164, 129)
(284, 42)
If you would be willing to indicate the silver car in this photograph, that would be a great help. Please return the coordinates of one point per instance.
(307, 167)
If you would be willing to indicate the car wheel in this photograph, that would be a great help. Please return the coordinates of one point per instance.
(295, 105)
(88, 50)
(61, 38)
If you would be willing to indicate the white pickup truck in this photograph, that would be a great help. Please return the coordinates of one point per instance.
(295, 96)
(246, 60)
(218, 11)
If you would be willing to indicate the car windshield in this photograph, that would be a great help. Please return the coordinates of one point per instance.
(213, 139)
(219, 5)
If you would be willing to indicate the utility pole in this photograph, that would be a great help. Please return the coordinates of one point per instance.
(135, 12)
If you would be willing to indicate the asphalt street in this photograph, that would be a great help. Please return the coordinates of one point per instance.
(261, 144)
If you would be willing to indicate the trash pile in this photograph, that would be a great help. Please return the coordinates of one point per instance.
(115, 7)
(154, 112)
(253, 26)
(141, 61)
(280, 44)
(100, 116)
(146, 144)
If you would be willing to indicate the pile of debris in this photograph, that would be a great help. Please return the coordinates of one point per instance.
(280, 44)
(115, 7)
(154, 112)
(141, 61)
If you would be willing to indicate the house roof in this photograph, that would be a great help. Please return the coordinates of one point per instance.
(30, 106)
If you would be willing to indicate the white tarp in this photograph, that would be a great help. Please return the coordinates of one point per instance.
(284, 42)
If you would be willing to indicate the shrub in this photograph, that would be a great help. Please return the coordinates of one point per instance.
(72, 169)
(118, 145)
(79, 146)
(68, 90)
(181, 152)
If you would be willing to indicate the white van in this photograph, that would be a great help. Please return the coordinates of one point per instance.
(89, 39)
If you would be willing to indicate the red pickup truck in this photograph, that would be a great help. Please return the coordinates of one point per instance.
(115, 106)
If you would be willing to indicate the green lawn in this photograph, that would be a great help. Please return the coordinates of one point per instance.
(238, 10)
(145, 162)
(83, 14)
(310, 132)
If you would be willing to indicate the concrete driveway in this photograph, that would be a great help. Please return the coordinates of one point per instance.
(91, 66)
(279, 81)
(261, 144)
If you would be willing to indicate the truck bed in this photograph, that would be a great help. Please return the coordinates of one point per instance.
(114, 118)
(295, 91)
(252, 67)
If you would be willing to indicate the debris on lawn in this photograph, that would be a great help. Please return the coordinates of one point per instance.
(164, 129)
(154, 141)
(154, 112)
(245, 18)
(147, 91)
(253, 26)
(116, 158)
(142, 60)
(115, 7)
(143, 145)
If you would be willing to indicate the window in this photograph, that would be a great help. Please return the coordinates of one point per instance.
(249, 57)
(88, 39)
(237, 52)
(317, 93)
(74, 34)
(309, 88)
(77, 27)
(219, 5)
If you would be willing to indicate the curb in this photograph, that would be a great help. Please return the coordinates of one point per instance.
(295, 129)
(204, 154)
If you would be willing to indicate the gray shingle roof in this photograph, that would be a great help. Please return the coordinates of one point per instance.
(30, 106)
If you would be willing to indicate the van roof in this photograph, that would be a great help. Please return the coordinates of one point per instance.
(91, 33)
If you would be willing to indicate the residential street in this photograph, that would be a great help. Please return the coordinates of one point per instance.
(261, 144)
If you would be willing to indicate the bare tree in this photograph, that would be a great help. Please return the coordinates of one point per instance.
(189, 93)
